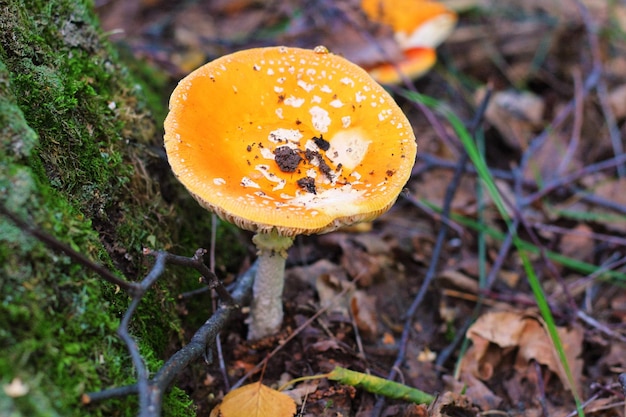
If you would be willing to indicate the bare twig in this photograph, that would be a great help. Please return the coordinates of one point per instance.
(58, 246)
(596, 53)
(598, 201)
(427, 161)
(578, 125)
(289, 338)
(150, 391)
(599, 326)
(574, 176)
(613, 240)
(432, 213)
(590, 82)
(505, 247)
(218, 340)
(195, 262)
(436, 255)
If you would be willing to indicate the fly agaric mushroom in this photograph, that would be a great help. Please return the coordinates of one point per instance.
(419, 26)
(414, 62)
(286, 141)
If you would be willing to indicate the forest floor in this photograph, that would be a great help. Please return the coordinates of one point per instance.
(553, 133)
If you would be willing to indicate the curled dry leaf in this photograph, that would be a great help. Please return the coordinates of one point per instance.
(255, 400)
(498, 333)
(356, 302)
(330, 288)
(450, 278)
(432, 187)
(300, 393)
(451, 404)
(363, 308)
(365, 256)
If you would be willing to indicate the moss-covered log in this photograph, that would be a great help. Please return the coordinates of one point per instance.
(76, 160)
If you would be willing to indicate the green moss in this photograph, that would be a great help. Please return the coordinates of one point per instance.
(74, 155)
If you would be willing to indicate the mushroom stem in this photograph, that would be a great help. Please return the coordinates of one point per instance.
(266, 312)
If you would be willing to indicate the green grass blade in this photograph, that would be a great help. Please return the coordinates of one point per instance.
(571, 263)
(485, 176)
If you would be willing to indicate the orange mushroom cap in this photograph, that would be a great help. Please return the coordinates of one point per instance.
(414, 62)
(416, 23)
(288, 139)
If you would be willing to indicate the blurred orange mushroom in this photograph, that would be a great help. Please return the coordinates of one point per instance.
(286, 141)
(414, 62)
(419, 26)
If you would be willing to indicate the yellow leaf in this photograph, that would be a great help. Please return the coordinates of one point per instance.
(255, 400)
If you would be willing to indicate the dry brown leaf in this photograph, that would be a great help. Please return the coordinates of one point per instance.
(364, 257)
(432, 187)
(329, 287)
(310, 273)
(617, 101)
(303, 390)
(475, 389)
(618, 307)
(596, 406)
(451, 404)
(504, 328)
(362, 266)
(510, 278)
(363, 309)
(545, 164)
(615, 360)
(497, 333)
(578, 244)
(567, 10)
(515, 114)
(613, 191)
(451, 278)
(255, 400)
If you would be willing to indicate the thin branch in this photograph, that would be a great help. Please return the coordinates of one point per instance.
(535, 144)
(432, 213)
(596, 53)
(151, 391)
(307, 323)
(436, 255)
(205, 336)
(58, 246)
(574, 176)
(427, 161)
(614, 240)
(577, 125)
(196, 263)
(599, 326)
(601, 201)
(614, 134)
